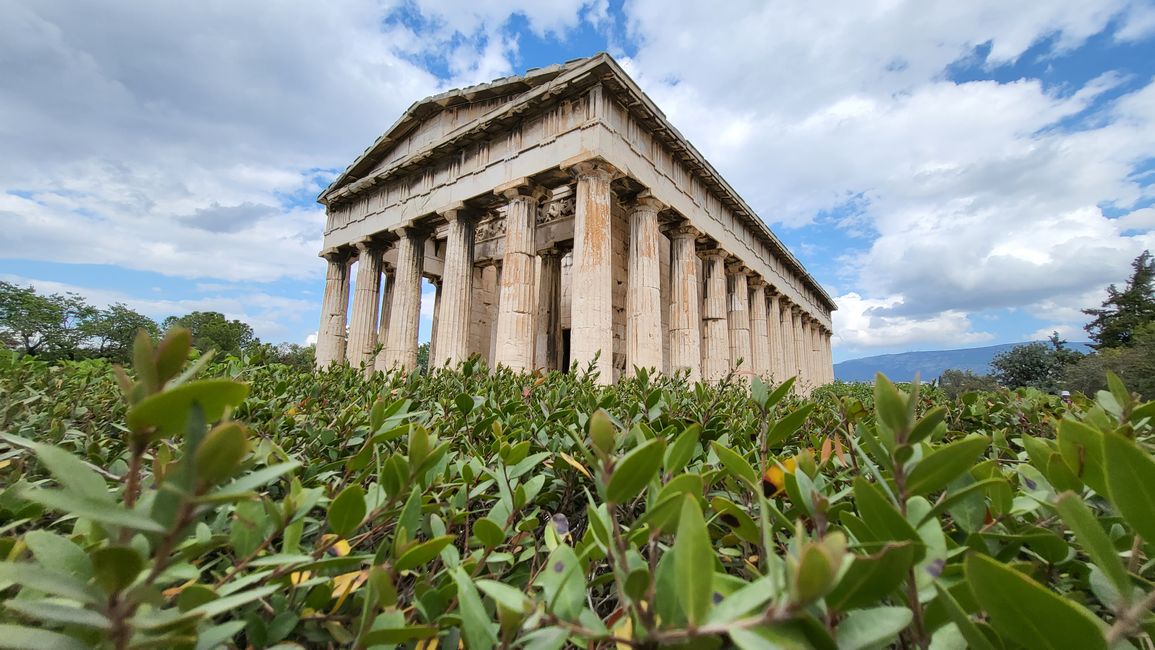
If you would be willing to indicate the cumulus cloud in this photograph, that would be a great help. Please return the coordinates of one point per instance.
(973, 195)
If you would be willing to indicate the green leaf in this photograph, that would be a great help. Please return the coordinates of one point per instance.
(603, 432)
(883, 519)
(1094, 540)
(936, 470)
(54, 612)
(927, 425)
(488, 533)
(635, 470)
(816, 569)
(870, 578)
(973, 635)
(59, 552)
(788, 425)
(229, 603)
(115, 567)
(28, 638)
(464, 403)
(759, 392)
(37, 578)
(890, 405)
(1028, 613)
(1131, 480)
(870, 628)
(475, 624)
(780, 392)
(172, 353)
(397, 635)
(347, 511)
(422, 553)
(168, 411)
(679, 453)
(243, 486)
(693, 562)
(734, 463)
(743, 601)
(102, 512)
(508, 597)
(73, 474)
(221, 451)
(1082, 447)
(563, 583)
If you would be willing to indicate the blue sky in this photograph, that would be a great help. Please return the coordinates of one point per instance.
(954, 175)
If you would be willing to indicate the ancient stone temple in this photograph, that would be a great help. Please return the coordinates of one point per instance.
(561, 219)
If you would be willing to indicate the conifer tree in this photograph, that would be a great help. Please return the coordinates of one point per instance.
(1124, 312)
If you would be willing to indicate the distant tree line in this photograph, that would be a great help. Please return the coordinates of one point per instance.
(1122, 332)
(64, 326)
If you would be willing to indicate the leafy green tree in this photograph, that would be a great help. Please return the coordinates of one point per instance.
(211, 330)
(1124, 312)
(423, 358)
(43, 325)
(1135, 365)
(299, 357)
(956, 382)
(1035, 365)
(109, 333)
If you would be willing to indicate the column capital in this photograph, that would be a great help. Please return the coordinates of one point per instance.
(645, 200)
(370, 244)
(585, 167)
(682, 230)
(756, 282)
(713, 254)
(334, 254)
(553, 251)
(519, 188)
(738, 268)
(454, 211)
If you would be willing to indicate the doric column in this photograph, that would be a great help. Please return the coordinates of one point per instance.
(830, 355)
(815, 353)
(644, 291)
(789, 361)
(363, 321)
(685, 323)
(456, 290)
(389, 281)
(592, 307)
(799, 345)
(549, 340)
(759, 330)
(716, 358)
(334, 310)
(739, 321)
(777, 344)
(516, 310)
(431, 359)
(405, 313)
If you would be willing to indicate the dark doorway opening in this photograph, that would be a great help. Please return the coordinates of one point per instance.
(564, 350)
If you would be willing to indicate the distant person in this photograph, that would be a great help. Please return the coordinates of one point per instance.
(1066, 397)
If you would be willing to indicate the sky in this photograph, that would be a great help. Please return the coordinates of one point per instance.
(955, 174)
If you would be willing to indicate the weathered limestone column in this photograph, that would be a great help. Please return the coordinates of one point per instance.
(549, 340)
(334, 310)
(739, 321)
(799, 346)
(363, 321)
(777, 344)
(644, 291)
(516, 309)
(456, 293)
(815, 354)
(592, 309)
(389, 281)
(716, 359)
(759, 330)
(789, 360)
(830, 355)
(685, 324)
(433, 327)
(405, 313)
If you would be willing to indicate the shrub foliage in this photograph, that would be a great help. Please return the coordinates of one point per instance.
(242, 505)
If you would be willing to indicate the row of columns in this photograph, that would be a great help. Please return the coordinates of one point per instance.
(742, 324)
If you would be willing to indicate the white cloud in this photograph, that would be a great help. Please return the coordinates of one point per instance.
(861, 324)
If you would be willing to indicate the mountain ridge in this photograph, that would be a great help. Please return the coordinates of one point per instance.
(901, 366)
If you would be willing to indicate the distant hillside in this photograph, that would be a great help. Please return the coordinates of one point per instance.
(929, 365)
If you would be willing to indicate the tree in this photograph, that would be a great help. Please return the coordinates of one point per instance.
(1124, 312)
(48, 326)
(423, 358)
(1035, 365)
(300, 357)
(211, 330)
(110, 332)
(1135, 365)
(956, 382)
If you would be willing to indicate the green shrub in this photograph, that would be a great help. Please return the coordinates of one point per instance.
(264, 505)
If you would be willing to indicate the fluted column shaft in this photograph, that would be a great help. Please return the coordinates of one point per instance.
(759, 330)
(741, 356)
(777, 344)
(405, 314)
(516, 309)
(334, 311)
(549, 339)
(363, 321)
(456, 291)
(592, 309)
(388, 282)
(789, 361)
(685, 323)
(815, 356)
(644, 291)
(830, 355)
(799, 346)
(716, 360)
(431, 359)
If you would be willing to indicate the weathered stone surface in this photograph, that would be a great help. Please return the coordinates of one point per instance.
(716, 356)
(517, 311)
(405, 313)
(741, 357)
(456, 290)
(549, 330)
(331, 336)
(363, 321)
(685, 322)
(759, 330)
(388, 283)
(591, 329)
(643, 299)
